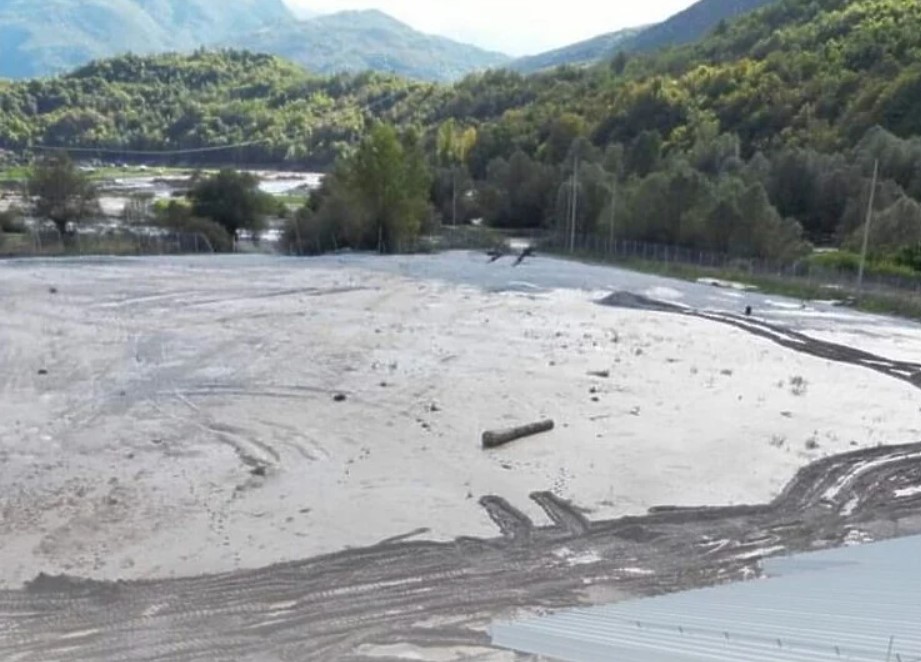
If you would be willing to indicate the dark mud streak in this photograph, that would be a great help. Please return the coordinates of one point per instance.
(788, 338)
(432, 594)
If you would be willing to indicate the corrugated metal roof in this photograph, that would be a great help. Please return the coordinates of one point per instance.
(855, 603)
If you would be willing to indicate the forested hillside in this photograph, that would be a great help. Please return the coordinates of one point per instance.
(203, 100)
(693, 23)
(589, 51)
(749, 141)
(52, 36)
(685, 27)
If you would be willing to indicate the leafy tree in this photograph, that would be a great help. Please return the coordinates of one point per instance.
(11, 221)
(61, 193)
(453, 149)
(644, 154)
(562, 132)
(176, 215)
(377, 197)
(232, 200)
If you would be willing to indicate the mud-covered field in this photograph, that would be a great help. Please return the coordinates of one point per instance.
(182, 477)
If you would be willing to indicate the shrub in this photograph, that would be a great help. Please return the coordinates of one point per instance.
(11, 221)
(214, 232)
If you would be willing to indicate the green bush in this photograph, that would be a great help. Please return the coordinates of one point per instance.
(214, 232)
(11, 221)
(836, 261)
(849, 262)
(177, 216)
(910, 258)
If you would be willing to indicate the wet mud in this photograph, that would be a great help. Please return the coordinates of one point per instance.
(353, 604)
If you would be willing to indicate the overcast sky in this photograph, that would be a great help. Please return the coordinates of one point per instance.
(516, 27)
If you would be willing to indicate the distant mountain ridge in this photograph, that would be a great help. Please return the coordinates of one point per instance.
(685, 27)
(692, 24)
(351, 41)
(53, 36)
(583, 52)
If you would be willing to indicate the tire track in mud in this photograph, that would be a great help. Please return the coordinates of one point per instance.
(442, 594)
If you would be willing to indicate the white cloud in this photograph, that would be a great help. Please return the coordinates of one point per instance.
(516, 27)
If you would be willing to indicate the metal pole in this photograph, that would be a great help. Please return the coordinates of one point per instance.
(611, 220)
(454, 196)
(575, 205)
(866, 228)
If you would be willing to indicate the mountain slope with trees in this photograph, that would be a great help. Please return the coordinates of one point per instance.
(355, 41)
(685, 27)
(585, 52)
(753, 141)
(51, 36)
(694, 23)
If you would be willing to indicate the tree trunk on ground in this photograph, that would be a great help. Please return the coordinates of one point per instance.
(495, 438)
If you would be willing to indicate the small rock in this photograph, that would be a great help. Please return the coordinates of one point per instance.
(42, 371)
(595, 398)
(258, 471)
(593, 389)
(340, 397)
(52, 290)
(603, 374)
(384, 384)
(638, 351)
(434, 407)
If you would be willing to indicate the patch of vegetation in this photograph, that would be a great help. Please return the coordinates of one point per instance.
(377, 199)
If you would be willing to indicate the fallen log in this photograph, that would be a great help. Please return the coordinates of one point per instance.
(495, 438)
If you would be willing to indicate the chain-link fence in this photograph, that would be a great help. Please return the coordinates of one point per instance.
(48, 242)
(668, 258)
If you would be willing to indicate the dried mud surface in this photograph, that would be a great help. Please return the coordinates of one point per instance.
(439, 597)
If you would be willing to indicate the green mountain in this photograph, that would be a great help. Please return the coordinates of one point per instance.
(40, 38)
(761, 133)
(369, 40)
(693, 23)
(581, 53)
(684, 27)
(795, 72)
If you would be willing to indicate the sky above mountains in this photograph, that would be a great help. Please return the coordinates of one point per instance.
(516, 27)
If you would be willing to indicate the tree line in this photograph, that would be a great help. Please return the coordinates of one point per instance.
(758, 140)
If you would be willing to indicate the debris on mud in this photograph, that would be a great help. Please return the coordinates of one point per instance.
(295, 610)
(42, 371)
(340, 397)
(602, 374)
(495, 254)
(527, 252)
(495, 438)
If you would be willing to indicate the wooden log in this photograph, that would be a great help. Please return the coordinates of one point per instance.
(495, 438)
